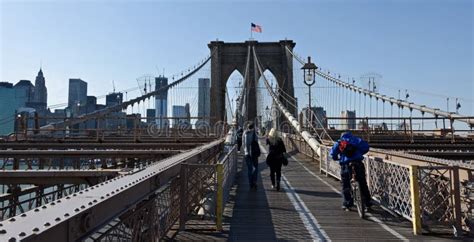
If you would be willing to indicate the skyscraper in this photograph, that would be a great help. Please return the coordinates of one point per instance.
(317, 116)
(114, 121)
(161, 102)
(77, 97)
(7, 110)
(113, 99)
(150, 115)
(204, 100)
(91, 105)
(187, 110)
(40, 93)
(24, 93)
(348, 121)
(16, 97)
(180, 115)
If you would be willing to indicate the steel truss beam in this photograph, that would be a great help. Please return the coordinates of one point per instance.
(54, 177)
(85, 153)
(76, 216)
(93, 145)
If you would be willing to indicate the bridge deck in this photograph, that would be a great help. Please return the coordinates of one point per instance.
(308, 207)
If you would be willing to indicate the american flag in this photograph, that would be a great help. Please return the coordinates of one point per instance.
(256, 28)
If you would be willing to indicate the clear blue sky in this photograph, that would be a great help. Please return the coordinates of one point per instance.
(421, 45)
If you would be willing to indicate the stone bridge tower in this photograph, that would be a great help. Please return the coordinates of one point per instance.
(228, 57)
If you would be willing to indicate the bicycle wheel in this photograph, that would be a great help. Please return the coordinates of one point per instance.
(357, 196)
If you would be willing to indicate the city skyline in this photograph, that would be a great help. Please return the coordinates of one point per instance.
(431, 47)
(151, 120)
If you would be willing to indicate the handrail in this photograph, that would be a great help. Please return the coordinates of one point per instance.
(77, 215)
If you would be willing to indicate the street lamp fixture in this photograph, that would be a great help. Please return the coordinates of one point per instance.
(309, 72)
(309, 75)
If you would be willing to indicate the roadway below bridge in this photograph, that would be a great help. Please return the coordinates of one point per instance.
(308, 207)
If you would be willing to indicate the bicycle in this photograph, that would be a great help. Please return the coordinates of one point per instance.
(357, 194)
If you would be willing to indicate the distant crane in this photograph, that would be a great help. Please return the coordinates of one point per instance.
(144, 83)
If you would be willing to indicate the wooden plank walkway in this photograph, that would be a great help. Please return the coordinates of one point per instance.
(308, 207)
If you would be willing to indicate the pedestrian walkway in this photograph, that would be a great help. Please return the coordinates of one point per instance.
(308, 207)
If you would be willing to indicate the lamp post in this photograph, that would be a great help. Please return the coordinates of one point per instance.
(309, 75)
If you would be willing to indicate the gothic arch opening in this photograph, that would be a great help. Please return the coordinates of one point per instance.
(264, 119)
(234, 86)
(228, 57)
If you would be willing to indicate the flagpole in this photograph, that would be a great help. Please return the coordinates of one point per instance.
(251, 37)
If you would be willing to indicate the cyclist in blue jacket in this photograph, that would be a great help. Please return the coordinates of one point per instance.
(349, 150)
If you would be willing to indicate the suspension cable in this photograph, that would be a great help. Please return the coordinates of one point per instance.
(401, 103)
(230, 104)
(287, 114)
(244, 83)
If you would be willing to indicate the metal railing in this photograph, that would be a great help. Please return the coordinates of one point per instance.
(432, 196)
(226, 172)
(151, 219)
(19, 201)
(146, 197)
(201, 190)
(207, 187)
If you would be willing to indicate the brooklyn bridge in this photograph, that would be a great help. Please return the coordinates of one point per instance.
(160, 177)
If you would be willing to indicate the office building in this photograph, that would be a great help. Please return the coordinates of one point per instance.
(34, 97)
(181, 116)
(348, 120)
(114, 120)
(133, 121)
(77, 97)
(7, 110)
(24, 93)
(150, 115)
(113, 99)
(204, 100)
(14, 98)
(90, 107)
(161, 102)
(316, 117)
(40, 91)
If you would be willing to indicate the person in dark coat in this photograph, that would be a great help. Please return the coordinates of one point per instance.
(251, 152)
(240, 133)
(275, 157)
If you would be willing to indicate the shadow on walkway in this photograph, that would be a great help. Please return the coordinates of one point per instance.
(251, 218)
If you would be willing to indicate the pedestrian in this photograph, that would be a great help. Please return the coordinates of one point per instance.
(240, 132)
(251, 152)
(276, 157)
(350, 150)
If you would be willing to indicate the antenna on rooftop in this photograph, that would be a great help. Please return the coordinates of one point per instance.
(157, 70)
(113, 84)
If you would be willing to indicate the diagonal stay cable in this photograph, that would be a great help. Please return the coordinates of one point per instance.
(245, 82)
(310, 140)
(324, 130)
